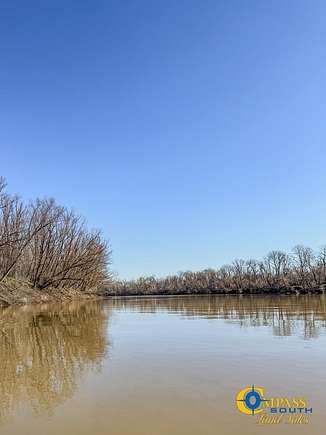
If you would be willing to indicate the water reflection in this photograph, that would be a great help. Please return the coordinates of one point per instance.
(287, 315)
(44, 351)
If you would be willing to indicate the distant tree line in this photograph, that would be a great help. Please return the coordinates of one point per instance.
(300, 271)
(48, 246)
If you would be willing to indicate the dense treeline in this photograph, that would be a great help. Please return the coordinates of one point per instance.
(48, 246)
(303, 270)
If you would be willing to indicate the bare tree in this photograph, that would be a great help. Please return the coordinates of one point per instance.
(304, 266)
(49, 246)
(64, 253)
(277, 272)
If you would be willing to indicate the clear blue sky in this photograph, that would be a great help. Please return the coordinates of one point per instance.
(190, 132)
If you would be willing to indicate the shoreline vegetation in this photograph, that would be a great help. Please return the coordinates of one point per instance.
(302, 271)
(47, 254)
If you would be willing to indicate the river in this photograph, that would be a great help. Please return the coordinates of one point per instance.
(161, 365)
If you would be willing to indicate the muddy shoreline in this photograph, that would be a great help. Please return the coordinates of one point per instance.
(14, 292)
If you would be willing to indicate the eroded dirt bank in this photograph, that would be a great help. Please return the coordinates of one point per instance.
(16, 292)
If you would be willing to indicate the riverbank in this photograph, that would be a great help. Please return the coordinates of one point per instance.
(200, 292)
(17, 292)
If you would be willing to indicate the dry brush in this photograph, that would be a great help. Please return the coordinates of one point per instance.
(48, 246)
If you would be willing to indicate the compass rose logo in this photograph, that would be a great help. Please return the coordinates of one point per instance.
(249, 400)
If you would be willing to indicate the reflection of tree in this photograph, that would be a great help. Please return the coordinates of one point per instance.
(286, 315)
(45, 349)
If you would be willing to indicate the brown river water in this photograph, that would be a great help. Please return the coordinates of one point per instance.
(169, 365)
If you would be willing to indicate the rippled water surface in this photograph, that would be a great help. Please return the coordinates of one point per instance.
(170, 365)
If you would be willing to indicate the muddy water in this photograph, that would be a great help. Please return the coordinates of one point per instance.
(160, 365)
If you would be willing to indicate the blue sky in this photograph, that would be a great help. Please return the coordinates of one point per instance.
(190, 132)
